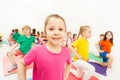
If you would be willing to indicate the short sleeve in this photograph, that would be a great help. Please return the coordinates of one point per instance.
(33, 39)
(69, 57)
(75, 43)
(30, 56)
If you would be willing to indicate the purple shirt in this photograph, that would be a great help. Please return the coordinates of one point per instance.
(47, 65)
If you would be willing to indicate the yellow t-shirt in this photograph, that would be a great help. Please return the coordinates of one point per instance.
(82, 46)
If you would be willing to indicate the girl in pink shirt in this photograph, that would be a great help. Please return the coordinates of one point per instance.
(51, 61)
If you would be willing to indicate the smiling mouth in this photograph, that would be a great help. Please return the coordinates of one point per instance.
(56, 38)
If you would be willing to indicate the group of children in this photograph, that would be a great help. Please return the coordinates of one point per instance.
(52, 61)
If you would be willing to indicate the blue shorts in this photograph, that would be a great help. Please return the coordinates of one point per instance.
(103, 55)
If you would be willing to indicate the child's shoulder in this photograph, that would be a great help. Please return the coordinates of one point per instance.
(65, 49)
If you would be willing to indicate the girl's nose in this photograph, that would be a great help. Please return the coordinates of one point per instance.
(56, 32)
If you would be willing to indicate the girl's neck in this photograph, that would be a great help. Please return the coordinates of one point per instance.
(107, 39)
(84, 37)
(53, 48)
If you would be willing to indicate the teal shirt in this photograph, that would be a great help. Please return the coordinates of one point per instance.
(16, 36)
(25, 43)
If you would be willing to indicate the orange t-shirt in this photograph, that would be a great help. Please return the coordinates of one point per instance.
(106, 45)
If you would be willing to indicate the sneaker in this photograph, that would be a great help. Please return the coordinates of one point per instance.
(12, 68)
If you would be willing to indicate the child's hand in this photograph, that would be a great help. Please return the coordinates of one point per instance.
(80, 57)
(101, 51)
(8, 53)
(65, 78)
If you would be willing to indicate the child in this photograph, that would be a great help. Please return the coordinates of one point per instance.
(106, 45)
(81, 54)
(101, 36)
(33, 32)
(38, 37)
(25, 42)
(101, 39)
(10, 38)
(51, 59)
(16, 35)
(68, 39)
(74, 37)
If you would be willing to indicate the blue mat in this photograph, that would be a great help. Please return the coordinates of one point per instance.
(99, 69)
(29, 79)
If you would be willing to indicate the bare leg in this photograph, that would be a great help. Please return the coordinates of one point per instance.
(110, 60)
(10, 57)
(102, 63)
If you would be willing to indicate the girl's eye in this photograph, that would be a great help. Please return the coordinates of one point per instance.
(51, 29)
(61, 29)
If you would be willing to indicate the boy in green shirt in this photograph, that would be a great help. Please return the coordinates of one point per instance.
(25, 41)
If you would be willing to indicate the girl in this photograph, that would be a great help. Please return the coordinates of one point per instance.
(68, 39)
(74, 37)
(25, 42)
(49, 59)
(81, 54)
(106, 45)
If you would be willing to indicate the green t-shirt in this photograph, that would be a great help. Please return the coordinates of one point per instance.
(25, 43)
(16, 36)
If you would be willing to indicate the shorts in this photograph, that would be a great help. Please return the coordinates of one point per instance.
(103, 55)
(18, 52)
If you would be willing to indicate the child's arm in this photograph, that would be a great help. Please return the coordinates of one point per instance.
(98, 47)
(16, 45)
(67, 71)
(21, 70)
(74, 51)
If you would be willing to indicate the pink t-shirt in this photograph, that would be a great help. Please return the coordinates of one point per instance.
(47, 65)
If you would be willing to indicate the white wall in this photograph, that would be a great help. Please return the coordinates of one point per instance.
(101, 15)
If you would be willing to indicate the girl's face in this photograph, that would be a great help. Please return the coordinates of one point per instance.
(87, 33)
(55, 31)
(108, 35)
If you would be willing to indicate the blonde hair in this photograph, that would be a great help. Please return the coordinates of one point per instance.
(53, 16)
(26, 27)
(82, 29)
